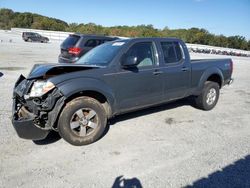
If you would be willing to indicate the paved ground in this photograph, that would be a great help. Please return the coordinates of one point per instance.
(174, 145)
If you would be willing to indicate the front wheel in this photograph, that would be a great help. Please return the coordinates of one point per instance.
(209, 96)
(82, 121)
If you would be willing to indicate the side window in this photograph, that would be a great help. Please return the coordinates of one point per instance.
(91, 43)
(106, 40)
(171, 52)
(144, 51)
(101, 42)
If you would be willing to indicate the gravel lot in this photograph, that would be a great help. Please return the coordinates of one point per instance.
(174, 145)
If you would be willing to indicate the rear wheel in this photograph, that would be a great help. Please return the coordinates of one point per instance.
(82, 121)
(209, 96)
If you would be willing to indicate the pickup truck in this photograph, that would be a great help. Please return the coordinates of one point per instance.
(114, 78)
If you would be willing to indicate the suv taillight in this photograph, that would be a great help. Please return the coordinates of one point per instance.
(74, 50)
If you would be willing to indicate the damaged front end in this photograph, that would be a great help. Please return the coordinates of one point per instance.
(36, 106)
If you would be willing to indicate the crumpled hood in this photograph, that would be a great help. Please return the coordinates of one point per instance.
(49, 70)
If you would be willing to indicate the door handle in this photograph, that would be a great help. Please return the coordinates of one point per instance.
(185, 69)
(157, 72)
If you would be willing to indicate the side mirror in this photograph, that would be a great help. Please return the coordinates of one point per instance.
(129, 61)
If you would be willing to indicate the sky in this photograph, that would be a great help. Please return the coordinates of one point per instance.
(227, 17)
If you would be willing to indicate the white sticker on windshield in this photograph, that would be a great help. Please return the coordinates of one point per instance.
(118, 43)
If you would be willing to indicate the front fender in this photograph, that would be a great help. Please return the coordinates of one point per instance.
(73, 86)
(209, 72)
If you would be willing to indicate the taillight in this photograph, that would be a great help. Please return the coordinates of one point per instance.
(231, 66)
(74, 50)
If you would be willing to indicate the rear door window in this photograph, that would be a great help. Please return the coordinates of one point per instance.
(30, 34)
(171, 51)
(70, 41)
(92, 43)
(101, 41)
(108, 40)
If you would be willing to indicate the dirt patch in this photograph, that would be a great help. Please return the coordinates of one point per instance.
(115, 153)
(170, 121)
(187, 121)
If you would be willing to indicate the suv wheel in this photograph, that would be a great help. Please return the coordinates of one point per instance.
(82, 121)
(209, 96)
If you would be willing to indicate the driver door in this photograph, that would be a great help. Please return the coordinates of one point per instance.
(141, 85)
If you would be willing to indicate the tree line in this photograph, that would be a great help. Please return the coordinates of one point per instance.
(9, 19)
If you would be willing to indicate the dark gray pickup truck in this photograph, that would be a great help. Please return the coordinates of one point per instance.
(113, 78)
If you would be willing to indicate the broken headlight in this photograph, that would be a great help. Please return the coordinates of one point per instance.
(39, 88)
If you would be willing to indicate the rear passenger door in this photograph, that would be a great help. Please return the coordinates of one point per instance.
(140, 85)
(176, 70)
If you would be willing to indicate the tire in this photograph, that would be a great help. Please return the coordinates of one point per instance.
(82, 121)
(209, 96)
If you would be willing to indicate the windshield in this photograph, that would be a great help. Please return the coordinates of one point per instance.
(101, 55)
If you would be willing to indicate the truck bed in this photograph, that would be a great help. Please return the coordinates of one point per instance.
(202, 66)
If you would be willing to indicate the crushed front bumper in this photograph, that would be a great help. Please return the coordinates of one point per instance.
(25, 126)
(34, 118)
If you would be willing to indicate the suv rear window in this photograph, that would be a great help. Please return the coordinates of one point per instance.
(70, 41)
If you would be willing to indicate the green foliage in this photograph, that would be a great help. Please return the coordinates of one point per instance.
(9, 19)
(6, 16)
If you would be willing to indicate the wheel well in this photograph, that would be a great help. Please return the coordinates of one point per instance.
(215, 78)
(96, 95)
